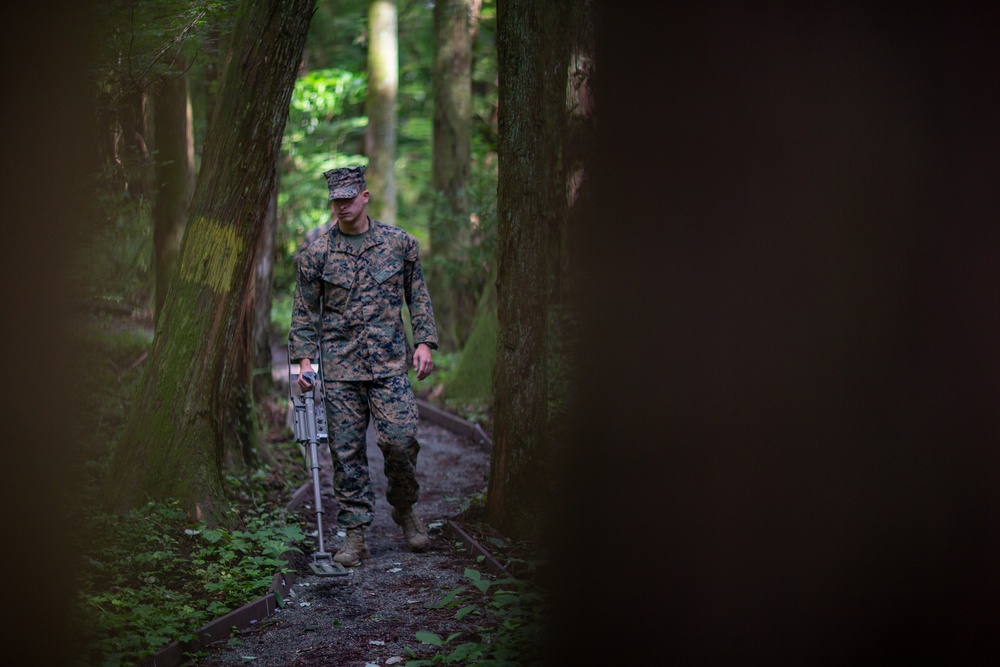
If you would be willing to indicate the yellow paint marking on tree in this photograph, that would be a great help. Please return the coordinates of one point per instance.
(212, 257)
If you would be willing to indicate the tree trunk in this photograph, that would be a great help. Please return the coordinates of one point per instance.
(242, 443)
(579, 142)
(253, 346)
(134, 152)
(449, 282)
(174, 175)
(380, 136)
(172, 445)
(475, 15)
(531, 54)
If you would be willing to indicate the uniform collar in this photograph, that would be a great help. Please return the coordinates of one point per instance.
(340, 244)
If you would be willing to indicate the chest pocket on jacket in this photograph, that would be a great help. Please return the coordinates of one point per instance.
(339, 274)
(386, 269)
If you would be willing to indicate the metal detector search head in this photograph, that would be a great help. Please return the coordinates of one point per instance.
(323, 565)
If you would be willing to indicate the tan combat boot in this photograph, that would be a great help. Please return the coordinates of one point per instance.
(354, 548)
(413, 528)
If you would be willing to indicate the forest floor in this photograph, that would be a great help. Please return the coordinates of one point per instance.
(372, 615)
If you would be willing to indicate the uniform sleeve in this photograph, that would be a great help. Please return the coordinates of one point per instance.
(302, 335)
(418, 300)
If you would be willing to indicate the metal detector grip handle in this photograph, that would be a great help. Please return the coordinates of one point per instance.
(311, 377)
(312, 430)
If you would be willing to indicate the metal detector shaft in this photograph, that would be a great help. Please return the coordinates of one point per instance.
(310, 429)
(314, 464)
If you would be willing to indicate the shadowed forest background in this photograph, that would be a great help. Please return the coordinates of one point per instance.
(784, 443)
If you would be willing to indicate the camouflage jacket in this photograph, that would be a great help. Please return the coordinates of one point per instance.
(362, 293)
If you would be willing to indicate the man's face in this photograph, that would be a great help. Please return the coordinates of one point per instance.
(350, 210)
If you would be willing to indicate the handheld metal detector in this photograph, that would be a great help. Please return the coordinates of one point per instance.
(311, 430)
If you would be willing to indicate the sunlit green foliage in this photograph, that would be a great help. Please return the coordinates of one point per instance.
(325, 130)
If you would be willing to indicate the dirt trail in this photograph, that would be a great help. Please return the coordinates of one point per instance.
(370, 616)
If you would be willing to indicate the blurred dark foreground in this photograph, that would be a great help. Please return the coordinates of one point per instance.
(788, 444)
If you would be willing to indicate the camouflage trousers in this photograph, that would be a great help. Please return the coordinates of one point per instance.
(390, 404)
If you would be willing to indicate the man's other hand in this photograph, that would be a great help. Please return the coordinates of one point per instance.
(423, 362)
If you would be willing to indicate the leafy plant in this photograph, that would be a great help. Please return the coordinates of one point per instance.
(511, 630)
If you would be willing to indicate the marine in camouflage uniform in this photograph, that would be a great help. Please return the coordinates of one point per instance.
(360, 273)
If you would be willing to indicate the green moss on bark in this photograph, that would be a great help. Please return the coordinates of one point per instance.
(168, 450)
(472, 379)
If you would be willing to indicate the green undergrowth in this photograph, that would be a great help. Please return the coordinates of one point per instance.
(156, 574)
(509, 612)
(510, 615)
(153, 576)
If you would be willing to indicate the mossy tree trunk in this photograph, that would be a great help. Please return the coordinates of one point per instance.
(383, 84)
(252, 379)
(448, 279)
(174, 173)
(173, 445)
(532, 55)
(472, 379)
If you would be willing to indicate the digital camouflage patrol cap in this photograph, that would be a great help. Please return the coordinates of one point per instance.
(346, 182)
